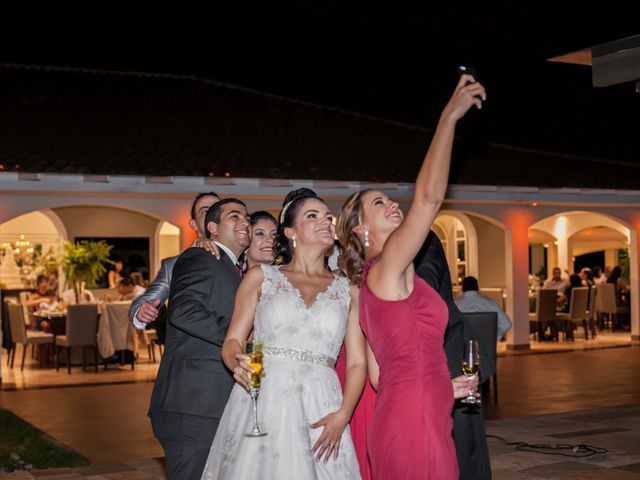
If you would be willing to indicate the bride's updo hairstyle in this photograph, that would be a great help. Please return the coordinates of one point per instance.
(351, 258)
(290, 208)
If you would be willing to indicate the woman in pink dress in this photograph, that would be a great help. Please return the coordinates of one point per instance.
(403, 317)
(361, 418)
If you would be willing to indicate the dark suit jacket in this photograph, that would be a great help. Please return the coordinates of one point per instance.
(192, 378)
(431, 265)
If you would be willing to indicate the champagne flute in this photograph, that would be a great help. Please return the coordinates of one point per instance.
(471, 366)
(253, 349)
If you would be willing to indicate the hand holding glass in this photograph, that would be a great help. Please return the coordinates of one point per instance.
(471, 366)
(253, 349)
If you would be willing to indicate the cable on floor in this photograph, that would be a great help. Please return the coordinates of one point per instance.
(580, 450)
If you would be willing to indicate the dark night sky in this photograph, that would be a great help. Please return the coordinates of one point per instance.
(395, 60)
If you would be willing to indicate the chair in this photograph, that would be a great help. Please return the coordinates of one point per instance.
(149, 338)
(20, 334)
(24, 298)
(591, 311)
(483, 327)
(578, 306)
(546, 301)
(494, 294)
(105, 294)
(81, 329)
(606, 305)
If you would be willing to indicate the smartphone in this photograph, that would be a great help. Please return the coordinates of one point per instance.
(469, 71)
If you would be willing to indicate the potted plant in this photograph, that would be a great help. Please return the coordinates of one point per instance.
(83, 263)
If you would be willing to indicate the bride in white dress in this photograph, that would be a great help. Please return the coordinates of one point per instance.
(302, 313)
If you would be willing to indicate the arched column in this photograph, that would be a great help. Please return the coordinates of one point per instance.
(634, 277)
(518, 221)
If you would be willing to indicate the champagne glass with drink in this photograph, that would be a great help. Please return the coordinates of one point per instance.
(471, 366)
(253, 350)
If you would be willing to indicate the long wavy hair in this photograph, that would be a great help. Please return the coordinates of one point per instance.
(290, 208)
(352, 256)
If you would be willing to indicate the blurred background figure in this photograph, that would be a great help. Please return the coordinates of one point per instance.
(85, 296)
(598, 276)
(556, 281)
(564, 299)
(125, 289)
(586, 275)
(41, 298)
(138, 284)
(115, 275)
(622, 290)
(54, 284)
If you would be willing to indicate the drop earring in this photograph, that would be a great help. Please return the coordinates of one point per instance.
(294, 242)
(366, 238)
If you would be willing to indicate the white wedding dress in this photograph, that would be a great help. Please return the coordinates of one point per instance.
(299, 388)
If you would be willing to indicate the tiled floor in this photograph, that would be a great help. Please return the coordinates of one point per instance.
(540, 395)
(615, 429)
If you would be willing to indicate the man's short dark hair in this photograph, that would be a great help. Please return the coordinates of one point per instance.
(126, 281)
(198, 197)
(215, 211)
(470, 284)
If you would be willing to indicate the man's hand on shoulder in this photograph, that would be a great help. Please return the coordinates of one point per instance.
(208, 245)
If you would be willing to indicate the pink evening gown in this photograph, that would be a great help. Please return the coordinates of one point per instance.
(410, 435)
(361, 418)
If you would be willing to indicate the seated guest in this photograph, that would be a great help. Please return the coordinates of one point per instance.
(38, 299)
(138, 284)
(586, 275)
(621, 287)
(564, 300)
(125, 289)
(598, 276)
(54, 284)
(85, 296)
(472, 301)
(557, 282)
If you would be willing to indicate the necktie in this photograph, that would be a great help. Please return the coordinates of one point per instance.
(239, 269)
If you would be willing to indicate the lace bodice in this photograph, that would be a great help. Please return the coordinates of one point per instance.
(284, 320)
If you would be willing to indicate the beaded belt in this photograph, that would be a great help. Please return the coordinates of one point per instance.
(300, 355)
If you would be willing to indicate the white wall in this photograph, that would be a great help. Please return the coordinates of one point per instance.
(168, 242)
(105, 222)
(491, 256)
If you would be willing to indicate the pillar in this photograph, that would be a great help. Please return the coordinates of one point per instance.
(634, 269)
(517, 221)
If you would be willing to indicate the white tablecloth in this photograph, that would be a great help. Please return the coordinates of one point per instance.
(115, 331)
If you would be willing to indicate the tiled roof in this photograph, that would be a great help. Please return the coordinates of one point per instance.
(80, 121)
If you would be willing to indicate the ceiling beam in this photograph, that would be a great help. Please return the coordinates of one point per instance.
(611, 63)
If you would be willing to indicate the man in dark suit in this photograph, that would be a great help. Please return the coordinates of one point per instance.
(146, 307)
(193, 385)
(468, 423)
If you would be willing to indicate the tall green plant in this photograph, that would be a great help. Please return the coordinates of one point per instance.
(84, 262)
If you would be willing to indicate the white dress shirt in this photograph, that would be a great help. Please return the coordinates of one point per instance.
(232, 256)
(472, 301)
(69, 297)
(560, 285)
